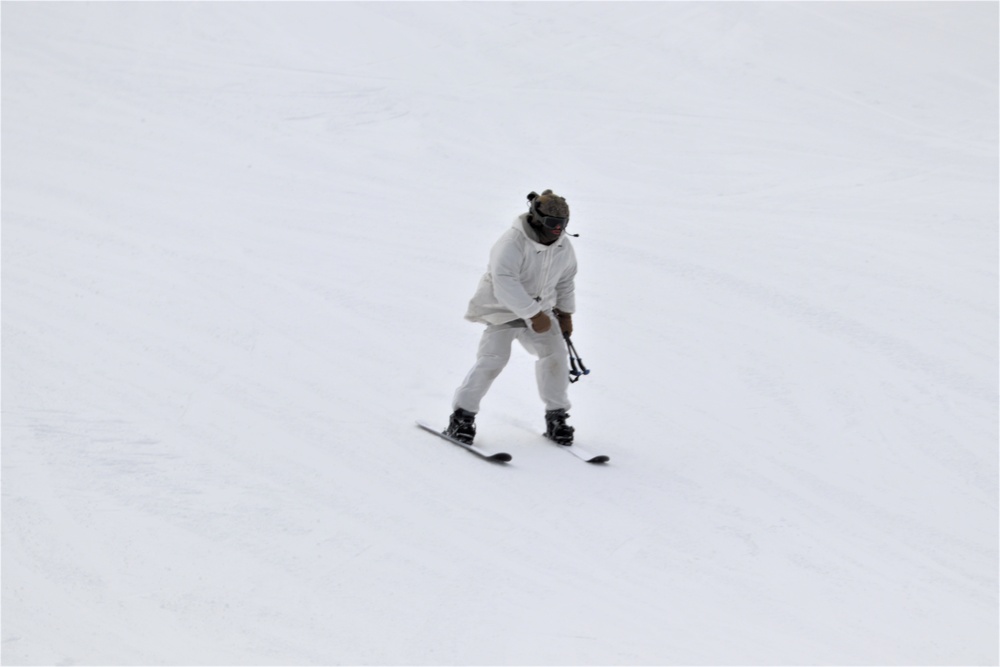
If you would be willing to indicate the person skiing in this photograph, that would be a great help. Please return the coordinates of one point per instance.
(527, 293)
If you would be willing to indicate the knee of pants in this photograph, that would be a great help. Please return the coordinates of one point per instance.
(492, 364)
(555, 363)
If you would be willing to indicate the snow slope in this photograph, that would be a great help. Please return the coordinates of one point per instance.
(238, 239)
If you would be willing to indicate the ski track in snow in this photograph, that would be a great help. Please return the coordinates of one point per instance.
(238, 239)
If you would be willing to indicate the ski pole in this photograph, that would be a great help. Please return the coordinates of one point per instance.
(575, 362)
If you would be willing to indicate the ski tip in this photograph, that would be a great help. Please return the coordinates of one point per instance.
(428, 427)
(495, 457)
(579, 453)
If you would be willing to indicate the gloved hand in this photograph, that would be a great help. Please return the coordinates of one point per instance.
(541, 322)
(565, 322)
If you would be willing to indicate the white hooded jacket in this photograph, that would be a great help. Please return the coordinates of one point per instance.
(524, 277)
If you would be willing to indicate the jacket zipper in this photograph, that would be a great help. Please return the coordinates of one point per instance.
(546, 265)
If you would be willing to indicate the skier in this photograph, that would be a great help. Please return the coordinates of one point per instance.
(527, 293)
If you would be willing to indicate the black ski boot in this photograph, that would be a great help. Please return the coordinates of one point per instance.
(556, 427)
(462, 426)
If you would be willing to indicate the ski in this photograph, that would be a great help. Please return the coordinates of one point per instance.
(500, 457)
(579, 452)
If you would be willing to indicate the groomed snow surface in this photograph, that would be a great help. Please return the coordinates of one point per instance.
(238, 241)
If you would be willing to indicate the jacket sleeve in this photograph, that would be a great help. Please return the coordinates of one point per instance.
(505, 269)
(566, 287)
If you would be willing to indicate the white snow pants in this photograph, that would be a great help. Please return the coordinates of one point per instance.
(551, 369)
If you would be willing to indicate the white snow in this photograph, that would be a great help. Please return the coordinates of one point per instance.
(238, 241)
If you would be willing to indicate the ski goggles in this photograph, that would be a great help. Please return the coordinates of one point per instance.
(549, 221)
